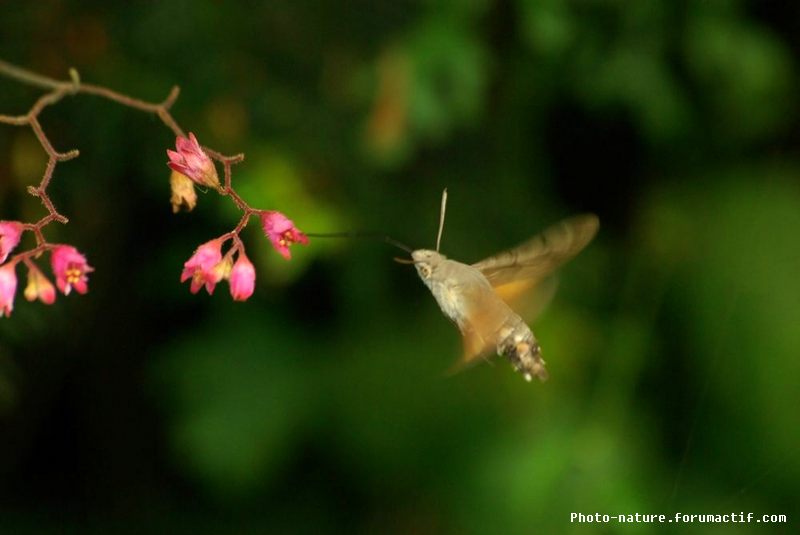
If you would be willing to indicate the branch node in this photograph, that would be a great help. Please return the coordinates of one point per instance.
(69, 155)
(75, 78)
(170, 100)
(36, 192)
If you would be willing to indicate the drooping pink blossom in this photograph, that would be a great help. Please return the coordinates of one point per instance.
(191, 161)
(200, 267)
(10, 233)
(8, 287)
(242, 279)
(281, 232)
(70, 269)
(39, 287)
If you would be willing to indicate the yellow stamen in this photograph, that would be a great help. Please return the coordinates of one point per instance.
(73, 275)
(287, 238)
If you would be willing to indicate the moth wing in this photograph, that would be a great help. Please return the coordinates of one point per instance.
(484, 315)
(528, 297)
(540, 256)
(487, 315)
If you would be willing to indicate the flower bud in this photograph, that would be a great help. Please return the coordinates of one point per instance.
(192, 161)
(243, 278)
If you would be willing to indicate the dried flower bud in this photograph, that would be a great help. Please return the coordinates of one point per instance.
(39, 287)
(183, 193)
(223, 269)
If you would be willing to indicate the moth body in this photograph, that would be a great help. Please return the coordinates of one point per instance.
(466, 296)
(476, 296)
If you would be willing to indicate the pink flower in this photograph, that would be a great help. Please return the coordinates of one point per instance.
(200, 267)
(243, 278)
(8, 287)
(70, 269)
(190, 160)
(10, 233)
(39, 287)
(281, 232)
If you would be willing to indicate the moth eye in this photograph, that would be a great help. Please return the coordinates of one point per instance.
(426, 270)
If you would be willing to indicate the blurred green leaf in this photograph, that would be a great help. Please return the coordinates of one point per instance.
(237, 402)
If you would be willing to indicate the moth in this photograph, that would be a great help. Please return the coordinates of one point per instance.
(477, 297)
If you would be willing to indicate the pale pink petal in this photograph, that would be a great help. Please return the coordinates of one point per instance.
(10, 234)
(8, 287)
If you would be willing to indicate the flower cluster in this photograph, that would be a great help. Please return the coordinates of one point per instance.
(207, 266)
(191, 165)
(69, 267)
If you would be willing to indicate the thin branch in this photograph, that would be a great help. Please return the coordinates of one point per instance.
(28, 77)
(58, 89)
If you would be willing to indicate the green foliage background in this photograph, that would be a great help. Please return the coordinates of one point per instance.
(321, 404)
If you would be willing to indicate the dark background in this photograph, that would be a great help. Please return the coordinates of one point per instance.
(321, 403)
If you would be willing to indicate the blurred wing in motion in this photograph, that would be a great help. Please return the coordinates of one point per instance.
(541, 255)
(484, 317)
(521, 277)
(528, 297)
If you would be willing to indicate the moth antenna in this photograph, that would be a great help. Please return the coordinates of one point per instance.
(373, 235)
(441, 219)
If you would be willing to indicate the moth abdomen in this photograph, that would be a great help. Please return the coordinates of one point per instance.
(520, 347)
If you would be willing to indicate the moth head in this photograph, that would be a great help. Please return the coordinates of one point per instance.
(426, 262)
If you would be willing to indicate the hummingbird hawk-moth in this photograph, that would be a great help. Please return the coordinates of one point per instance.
(476, 297)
